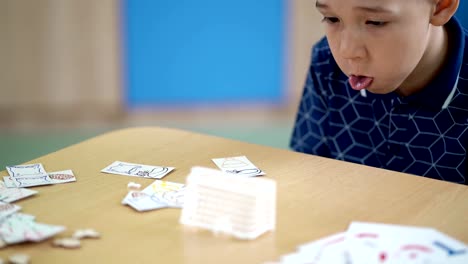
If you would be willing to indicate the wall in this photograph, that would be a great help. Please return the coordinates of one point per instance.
(61, 64)
(60, 61)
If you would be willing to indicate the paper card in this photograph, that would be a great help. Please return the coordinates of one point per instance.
(8, 182)
(62, 176)
(238, 165)
(456, 252)
(7, 209)
(19, 228)
(383, 243)
(10, 195)
(26, 170)
(331, 249)
(137, 170)
(26, 181)
(159, 194)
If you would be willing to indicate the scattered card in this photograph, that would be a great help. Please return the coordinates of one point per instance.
(26, 170)
(137, 170)
(7, 209)
(366, 243)
(373, 242)
(62, 176)
(238, 165)
(28, 175)
(10, 195)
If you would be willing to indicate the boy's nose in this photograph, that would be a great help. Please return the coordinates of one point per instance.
(351, 45)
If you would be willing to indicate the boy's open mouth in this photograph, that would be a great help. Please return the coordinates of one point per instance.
(359, 82)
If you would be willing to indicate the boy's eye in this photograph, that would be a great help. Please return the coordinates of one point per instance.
(375, 23)
(330, 20)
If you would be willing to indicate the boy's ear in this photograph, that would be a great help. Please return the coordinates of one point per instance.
(443, 11)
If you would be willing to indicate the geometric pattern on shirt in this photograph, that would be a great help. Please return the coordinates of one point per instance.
(380, 130)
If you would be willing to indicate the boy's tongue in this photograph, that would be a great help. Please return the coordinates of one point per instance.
(360, 82)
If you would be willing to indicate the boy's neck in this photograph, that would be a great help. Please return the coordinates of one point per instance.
(430, 65)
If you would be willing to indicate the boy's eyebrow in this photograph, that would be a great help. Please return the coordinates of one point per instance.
(373, 9)
(368, 9)
(319, 5)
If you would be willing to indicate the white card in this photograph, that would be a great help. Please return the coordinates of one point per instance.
(7, 209)
(456, 252)
(372, 242)
(13, 194)
(64, 176)
(28, 175)
(26, 181)
(26, 170)
(238, 165)
(137, 170)
(329, 250)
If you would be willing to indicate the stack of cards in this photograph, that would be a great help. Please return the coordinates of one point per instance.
(376, 243)
(160, 194)
(243, 207)
(27, 175)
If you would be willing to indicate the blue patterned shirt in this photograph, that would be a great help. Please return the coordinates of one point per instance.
(423, 134)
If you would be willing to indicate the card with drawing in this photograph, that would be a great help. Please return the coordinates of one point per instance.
(238, 165)
(28, 175)
(26, 170)
(159, 194)
(64, 176)
(331, 249)
(137, 170)
(10, 195)
(384, 243)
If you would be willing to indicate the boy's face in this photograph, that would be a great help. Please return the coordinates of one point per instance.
(377, 43)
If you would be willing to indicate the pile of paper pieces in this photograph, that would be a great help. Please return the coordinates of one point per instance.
(159, 194)
(17, 227)
(382, 243)
(241, 206)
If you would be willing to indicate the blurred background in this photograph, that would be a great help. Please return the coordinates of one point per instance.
(73, 69)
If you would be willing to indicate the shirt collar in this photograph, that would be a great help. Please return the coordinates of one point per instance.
(440, 90)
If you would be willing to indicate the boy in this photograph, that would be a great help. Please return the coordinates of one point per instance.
(388, 87)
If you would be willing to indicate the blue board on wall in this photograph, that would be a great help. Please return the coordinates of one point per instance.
(205, 51)
(462, 13)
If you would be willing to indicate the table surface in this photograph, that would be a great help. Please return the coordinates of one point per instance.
(316, 197)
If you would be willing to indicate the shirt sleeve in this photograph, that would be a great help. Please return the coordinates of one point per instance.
(311, 125)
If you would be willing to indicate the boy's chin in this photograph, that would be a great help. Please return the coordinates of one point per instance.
(376, 90)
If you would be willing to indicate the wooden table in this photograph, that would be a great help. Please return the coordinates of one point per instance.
(316, 197)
